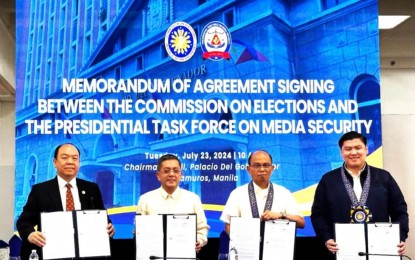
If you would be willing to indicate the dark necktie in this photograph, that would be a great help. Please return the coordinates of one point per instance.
(70, 206)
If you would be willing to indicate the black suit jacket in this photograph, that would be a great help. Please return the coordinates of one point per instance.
(45, 197)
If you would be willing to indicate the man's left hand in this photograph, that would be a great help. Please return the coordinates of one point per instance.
(110, 230)
(269, 215)
(401, 248)
(198, 246)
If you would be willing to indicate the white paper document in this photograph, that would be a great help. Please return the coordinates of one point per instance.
(149, 236)
(63, 229)
(383, 238)
(181, 236)
(350, 239)
(59, 232)
(244, 238)
(93, 239)
(279, 240)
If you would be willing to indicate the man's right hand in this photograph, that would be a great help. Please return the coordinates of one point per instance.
(37, 238)
(332, 246)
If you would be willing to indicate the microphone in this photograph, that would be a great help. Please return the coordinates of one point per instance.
(370, 254)
(162, 257)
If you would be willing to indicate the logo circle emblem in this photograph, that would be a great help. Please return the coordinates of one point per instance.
(180, 41)
(216, 41)
(360, 214)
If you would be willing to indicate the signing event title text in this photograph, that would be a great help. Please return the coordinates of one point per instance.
(209, 106)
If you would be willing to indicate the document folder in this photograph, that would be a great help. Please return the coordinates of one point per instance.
(75, 234)
(251, 238)
(165, 236)
(367, 240)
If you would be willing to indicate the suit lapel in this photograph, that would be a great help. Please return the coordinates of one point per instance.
(55, 195)
(84, 195)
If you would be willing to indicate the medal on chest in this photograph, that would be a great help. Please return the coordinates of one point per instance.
(359, 212)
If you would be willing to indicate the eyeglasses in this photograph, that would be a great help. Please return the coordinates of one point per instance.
(258, 166)
(168, 171)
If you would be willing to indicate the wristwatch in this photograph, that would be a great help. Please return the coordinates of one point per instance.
(283, 215)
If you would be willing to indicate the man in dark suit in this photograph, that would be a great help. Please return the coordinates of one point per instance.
(359, 193)
(50, 196)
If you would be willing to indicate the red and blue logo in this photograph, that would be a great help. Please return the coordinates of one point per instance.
(216, 41)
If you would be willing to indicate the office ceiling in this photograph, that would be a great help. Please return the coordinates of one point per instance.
(397, 46)
(8, 14)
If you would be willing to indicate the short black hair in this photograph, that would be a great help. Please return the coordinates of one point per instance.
(55, 155)
(350, 136)
(250, 156)
(165, 158)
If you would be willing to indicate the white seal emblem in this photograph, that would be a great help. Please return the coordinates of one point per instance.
(180, 41)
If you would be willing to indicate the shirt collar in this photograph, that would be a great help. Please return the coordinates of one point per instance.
(358, 174)
(166, 195)
(62, 182)
(258, 190)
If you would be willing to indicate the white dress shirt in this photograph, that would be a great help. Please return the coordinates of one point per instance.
(74, 189)
(238, 204)
(357, 185)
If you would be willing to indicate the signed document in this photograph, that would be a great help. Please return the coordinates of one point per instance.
(181, 236)
(351, 240)
(58, 228)
(279, 239)
(165, 236)
(383, 238)
(245, 238)
(149, 236)
(93, 239)
(74, 234)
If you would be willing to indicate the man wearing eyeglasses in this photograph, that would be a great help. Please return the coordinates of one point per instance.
(171, 199)
(260, 198)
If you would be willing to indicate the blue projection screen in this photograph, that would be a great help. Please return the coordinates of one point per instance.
(211, 81)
